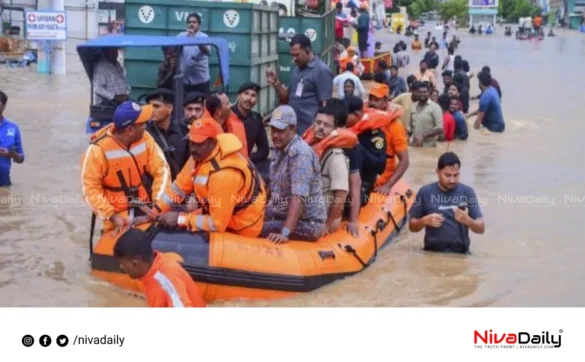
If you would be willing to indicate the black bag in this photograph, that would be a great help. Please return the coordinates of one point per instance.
(104, 112)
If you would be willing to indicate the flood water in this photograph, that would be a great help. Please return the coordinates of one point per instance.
(531, 180)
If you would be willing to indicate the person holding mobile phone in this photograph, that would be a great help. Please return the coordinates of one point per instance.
(447, 210)
(10, 143)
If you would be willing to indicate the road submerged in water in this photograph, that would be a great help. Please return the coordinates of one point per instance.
(530, 179)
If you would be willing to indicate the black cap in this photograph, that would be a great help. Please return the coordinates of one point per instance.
(249, 85)
(161, 94)
(193, 97)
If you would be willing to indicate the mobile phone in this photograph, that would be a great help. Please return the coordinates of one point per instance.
(462, 206)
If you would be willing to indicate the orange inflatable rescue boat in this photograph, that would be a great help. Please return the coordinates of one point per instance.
(228, 266)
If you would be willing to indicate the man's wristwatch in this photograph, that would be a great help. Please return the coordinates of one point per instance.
(181, 219)
(285, 232)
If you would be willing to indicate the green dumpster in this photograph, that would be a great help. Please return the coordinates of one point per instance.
(251, 31)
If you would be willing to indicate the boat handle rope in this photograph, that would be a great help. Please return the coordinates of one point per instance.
(381, 225)
(351, 250)
(348, 248)
(390, 217)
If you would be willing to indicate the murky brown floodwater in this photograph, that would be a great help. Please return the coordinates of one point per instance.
(531, 254)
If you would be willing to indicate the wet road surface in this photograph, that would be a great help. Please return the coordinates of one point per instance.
(531, 180)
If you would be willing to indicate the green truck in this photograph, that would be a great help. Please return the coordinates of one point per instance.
(257, 35)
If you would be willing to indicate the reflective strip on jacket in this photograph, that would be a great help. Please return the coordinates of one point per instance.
(231, 191)
(168, 285)
(106, 160)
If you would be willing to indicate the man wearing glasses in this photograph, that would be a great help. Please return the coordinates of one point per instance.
(194, 62)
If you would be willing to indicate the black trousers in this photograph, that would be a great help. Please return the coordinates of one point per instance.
(201, 87)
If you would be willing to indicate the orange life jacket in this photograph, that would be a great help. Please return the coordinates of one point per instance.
(339, 138)
(236, 126)
(252, 196)
(343, 61)
(126, 177)
(372, 119)
(394, 116)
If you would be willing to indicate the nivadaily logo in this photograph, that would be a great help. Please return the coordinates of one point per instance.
(489, 339)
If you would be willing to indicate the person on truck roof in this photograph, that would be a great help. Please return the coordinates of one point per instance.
(167, 68)
(109, 79)
(194, 62)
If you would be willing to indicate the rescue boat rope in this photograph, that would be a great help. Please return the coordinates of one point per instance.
(381, 225)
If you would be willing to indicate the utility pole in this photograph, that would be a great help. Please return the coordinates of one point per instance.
(58, 61)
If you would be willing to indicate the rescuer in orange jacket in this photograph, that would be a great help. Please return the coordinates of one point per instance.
(396, 140)
(122, 165)
(218, 106)
(165, 283)
(229, 189)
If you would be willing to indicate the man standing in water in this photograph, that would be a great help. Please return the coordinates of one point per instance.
(489, 113)
(432, 58)
(425, 75)
(426, 122)
(447, 210)
(165, 283)
(10, 144)
(460, 76)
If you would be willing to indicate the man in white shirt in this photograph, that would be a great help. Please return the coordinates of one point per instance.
(340, 79)
(109, 79)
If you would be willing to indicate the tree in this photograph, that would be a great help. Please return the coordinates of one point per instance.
(415, 9)
(453, 9)
(506, 8)
(418, 7)
(511, 10)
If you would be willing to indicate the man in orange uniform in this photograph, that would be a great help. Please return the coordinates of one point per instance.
(229, 189)
(396, 140)
(218, 106)
(123, 164)
(166, 284)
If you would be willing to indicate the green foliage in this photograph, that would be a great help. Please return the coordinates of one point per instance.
(511, 10)
(415, 8)
(453, 9)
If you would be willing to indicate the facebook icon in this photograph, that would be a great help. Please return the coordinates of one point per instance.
(45, 340)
